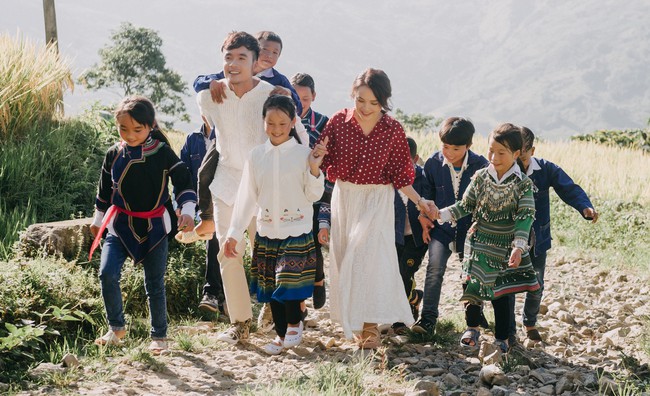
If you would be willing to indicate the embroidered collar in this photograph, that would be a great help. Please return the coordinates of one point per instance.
(513, 170)
(268, 146)
(533, 166)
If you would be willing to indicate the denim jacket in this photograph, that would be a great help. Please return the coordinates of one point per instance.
(193, 152)
(550, 175)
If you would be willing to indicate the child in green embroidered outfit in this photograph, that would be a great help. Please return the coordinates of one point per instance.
(496, 263)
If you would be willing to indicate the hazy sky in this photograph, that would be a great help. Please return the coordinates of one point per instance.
(557, 66)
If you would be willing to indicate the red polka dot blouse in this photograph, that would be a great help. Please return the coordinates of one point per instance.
(381, 157)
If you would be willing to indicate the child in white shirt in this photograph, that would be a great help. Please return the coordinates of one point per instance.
(280, 182)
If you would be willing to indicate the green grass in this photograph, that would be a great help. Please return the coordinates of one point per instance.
(619, 238)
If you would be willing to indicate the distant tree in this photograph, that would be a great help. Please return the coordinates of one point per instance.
(134, 62)
(417, 122)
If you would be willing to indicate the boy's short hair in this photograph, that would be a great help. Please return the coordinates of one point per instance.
(456, 131)
(413, 146)
(529, 138)
(304, 80)
(269, 36)
(241, 39)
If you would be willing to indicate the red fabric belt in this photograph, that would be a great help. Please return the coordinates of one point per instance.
(112, 211)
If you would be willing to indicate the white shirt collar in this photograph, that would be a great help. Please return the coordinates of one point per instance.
(266, 73)
(514, 169)
(268, 146)
(533, 166)
(450, 165)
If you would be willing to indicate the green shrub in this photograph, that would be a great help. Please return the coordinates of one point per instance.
(636, 138)
(52, 175)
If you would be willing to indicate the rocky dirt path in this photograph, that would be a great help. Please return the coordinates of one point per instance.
(593, 322)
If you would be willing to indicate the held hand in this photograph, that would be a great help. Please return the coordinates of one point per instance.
(185, 223)
(515, 258)
(94, 230)
(218, 90)
(230, 248)
(427, 225)
(280, 90)
(324, 236)
(590, 214)
(178, 212)
(429, 209)
(319, 152)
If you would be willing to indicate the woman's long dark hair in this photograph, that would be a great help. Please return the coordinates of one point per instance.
(285, 105)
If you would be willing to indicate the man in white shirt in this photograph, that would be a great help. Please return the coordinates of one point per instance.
(239, 127)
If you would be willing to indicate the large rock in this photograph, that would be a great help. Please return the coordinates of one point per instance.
(70, 239)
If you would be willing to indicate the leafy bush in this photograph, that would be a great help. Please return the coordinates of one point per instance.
(636, 138)
(54, 176)
(33, 78)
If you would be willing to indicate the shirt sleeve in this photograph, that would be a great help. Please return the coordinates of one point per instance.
(400, 167)
(525, 214)
(246, 202)
(182, 182)
(203, 81)
(466, 205)
(331, 148)
(568, 191)
(105, 187)
(314, 186)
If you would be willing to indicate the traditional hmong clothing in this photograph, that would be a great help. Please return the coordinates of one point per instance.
(502, 212)
(134, 179)
(283, 269)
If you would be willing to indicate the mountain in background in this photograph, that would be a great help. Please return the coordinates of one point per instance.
(558, 67)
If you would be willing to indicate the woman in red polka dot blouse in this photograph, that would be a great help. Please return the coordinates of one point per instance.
(367, 157)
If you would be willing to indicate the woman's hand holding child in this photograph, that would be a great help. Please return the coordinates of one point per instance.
(316, 156)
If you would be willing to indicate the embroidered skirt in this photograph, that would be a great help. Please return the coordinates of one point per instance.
(283, 269)
(485, 266)
(365, 282)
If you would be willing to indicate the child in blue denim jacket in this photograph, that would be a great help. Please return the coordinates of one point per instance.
(545, 175)
(192, 154)
(448, 173)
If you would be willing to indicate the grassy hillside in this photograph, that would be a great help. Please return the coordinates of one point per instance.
(617, 181)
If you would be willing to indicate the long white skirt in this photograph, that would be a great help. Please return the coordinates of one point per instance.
(366, 286)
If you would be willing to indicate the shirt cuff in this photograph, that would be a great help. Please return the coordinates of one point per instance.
(97, 218)
(232, 233)
(323, 224)
(445, 216)
(189, 208)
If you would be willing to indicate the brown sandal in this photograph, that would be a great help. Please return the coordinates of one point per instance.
(370, 338)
